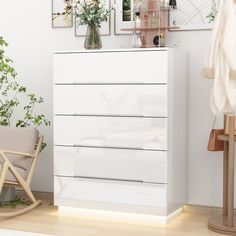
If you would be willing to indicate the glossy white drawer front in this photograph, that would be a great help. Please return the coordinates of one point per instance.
(124, 132)
(108, 67)
(110, 191)
(143, 100)
(144, 166)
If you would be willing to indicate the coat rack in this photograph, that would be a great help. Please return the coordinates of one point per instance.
(226, 224)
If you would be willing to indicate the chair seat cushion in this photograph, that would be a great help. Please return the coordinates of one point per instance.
(19, 140)
(11, 177)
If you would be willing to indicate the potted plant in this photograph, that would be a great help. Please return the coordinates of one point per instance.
(12, 95)
(92, 13)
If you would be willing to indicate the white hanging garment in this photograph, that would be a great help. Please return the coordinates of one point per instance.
(220, 64)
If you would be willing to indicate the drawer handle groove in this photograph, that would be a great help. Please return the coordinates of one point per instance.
(125, 148)
(111, 115)
(110, 179)
(115, 83)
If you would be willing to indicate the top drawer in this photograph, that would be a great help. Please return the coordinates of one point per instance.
(111, 67)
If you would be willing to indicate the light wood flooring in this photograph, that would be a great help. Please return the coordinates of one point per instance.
(45, 219)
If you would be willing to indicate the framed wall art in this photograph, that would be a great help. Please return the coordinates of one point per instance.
(124, 17)
(62, 13)
(80, 30)
(194, 14)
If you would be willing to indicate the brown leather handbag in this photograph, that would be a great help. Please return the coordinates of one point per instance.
(214, 144)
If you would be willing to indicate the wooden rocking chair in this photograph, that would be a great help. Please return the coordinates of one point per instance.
(19, 151)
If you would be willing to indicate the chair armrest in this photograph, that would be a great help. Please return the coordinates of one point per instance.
(17, 153)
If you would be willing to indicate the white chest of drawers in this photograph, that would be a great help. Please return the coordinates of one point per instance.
(120, 130)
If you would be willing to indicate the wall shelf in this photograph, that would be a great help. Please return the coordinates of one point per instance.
(151, 28)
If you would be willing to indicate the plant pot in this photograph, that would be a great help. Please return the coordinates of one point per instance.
(7, 194)
(93, 38)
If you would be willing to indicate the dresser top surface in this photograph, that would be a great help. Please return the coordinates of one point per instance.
(116, 50)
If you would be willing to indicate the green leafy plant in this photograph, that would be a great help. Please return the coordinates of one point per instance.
(91, 12)
(213, 13)
(18, 201)
(10, 93)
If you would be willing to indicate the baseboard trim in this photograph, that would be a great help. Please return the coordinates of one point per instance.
(37, 194)
(206, 210)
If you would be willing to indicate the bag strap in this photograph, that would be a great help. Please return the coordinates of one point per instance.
(214, 122)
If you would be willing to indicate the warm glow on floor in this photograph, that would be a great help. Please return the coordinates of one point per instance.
(120, 217)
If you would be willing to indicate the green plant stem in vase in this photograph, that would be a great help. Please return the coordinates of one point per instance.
(93, 38)
(92, 13)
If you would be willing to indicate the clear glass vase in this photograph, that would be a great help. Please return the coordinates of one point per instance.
(93, 37)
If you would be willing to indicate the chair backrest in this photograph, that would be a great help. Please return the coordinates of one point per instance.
(19, 140)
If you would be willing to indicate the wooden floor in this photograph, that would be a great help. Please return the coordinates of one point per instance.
(45, 219)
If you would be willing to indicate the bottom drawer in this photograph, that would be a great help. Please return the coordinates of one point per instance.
(123, 164)
(73, 190)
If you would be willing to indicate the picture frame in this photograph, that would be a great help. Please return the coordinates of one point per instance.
(124, 17)
(62, 13)
(105, 30)
(193, 15)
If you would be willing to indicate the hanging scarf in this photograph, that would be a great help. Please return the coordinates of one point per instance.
(220, 64)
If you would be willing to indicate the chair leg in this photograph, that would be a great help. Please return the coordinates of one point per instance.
(23, 184)
(3, 175)
(19, 178)
(8, 166)
(29, 193)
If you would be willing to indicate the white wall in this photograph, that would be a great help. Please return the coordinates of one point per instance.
(204, 168)
(26, 25)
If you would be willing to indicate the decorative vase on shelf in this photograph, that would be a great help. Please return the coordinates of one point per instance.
(93, 37)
